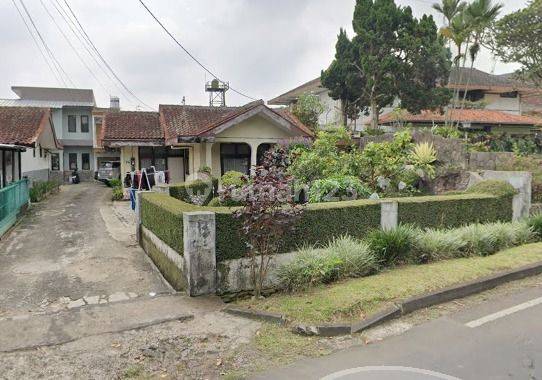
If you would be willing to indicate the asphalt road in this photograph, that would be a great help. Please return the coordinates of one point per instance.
(494, 340)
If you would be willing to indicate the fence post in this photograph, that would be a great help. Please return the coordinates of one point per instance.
(138, 197)
(199, 230)
(389, 215)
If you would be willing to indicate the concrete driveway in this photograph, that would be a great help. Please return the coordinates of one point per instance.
(75, 246)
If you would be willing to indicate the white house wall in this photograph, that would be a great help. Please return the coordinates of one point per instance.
(497, 103)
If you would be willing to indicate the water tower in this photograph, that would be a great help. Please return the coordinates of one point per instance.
(217, 92)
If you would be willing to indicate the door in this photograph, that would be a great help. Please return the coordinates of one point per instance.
(176, 169)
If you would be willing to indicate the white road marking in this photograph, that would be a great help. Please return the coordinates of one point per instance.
(397, 369)
(504, 313)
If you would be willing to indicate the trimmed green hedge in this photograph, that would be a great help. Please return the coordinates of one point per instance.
(322, 222)
(163, 215)
(319, 223)
(449, 211)
(180, 191)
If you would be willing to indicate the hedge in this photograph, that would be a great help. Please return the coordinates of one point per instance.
(163, 215)
(450, 211)
(182, 191)
(322, 222)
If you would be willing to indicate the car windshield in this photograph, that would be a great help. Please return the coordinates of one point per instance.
(107, 165)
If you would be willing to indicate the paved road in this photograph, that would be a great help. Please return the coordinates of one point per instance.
(494, 340)
(71, 246)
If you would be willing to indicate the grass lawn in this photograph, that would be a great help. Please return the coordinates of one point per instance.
(355, 299)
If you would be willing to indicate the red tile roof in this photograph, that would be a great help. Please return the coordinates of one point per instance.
(132, 126)
(174, 121)
(22, 125)
(474, 116)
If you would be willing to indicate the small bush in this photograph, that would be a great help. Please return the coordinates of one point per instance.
(393, 246)
(114, 182)
(118, 193)
(535, 223)
(493, 187)
(197, 192)
(232, 178)
(342, 258)
(337, 189)
(40, 189)
(435, 245)
(487, 239)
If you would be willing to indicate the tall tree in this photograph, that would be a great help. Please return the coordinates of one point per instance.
(517, 37)
(449, 9)
(391, 55)
(339, 79)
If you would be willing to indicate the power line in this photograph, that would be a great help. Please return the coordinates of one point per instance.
(188, 53)
(103, 60)
(72, 47)
(85, 44)
(50, 53)
(38, 46)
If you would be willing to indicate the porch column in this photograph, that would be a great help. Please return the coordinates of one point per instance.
(253, 156)
(209, 155)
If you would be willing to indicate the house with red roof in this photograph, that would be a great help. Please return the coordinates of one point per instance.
(471, 119)
(499, 93)
(186, 139)
(27, 140)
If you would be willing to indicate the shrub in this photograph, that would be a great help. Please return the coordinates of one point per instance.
(487, 239)
(435, 245)
(114, 182)
(446, 132)
(493, 187)
(232, 178)
(268, 212)
(337, 189)
(197, 192)
(118, 193)
(342, 258)
(535, 223)
(393, 246)
(40, 189)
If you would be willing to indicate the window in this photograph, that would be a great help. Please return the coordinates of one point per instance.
(55, 161)
(262, 149)
(235, 157)
(41, 152)
(85, 160)
(72, 124)
(472, 95)
(511, 95)
(84, 124)
(72, 160)
(8, 165)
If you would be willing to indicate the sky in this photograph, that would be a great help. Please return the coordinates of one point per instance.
(262, 48)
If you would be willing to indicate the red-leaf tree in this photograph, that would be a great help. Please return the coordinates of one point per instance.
(268, 212)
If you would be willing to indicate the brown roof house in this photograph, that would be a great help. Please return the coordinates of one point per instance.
(495, 92)
(27, 138)
(186, 139)
(473, 119)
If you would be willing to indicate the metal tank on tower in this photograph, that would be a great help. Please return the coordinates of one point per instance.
(217, 92)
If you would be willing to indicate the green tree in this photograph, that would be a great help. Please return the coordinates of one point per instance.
(449, 9)
(391, 55)
(517, 37)
(308, 109)
(340, 80)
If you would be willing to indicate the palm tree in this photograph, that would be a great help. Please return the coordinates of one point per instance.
(449, 9)
(480, 15)
(458, 33)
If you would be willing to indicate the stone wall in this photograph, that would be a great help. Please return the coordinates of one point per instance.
(489, 160)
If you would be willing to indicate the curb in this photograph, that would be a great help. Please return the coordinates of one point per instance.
(257, 315)
(404, 307)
